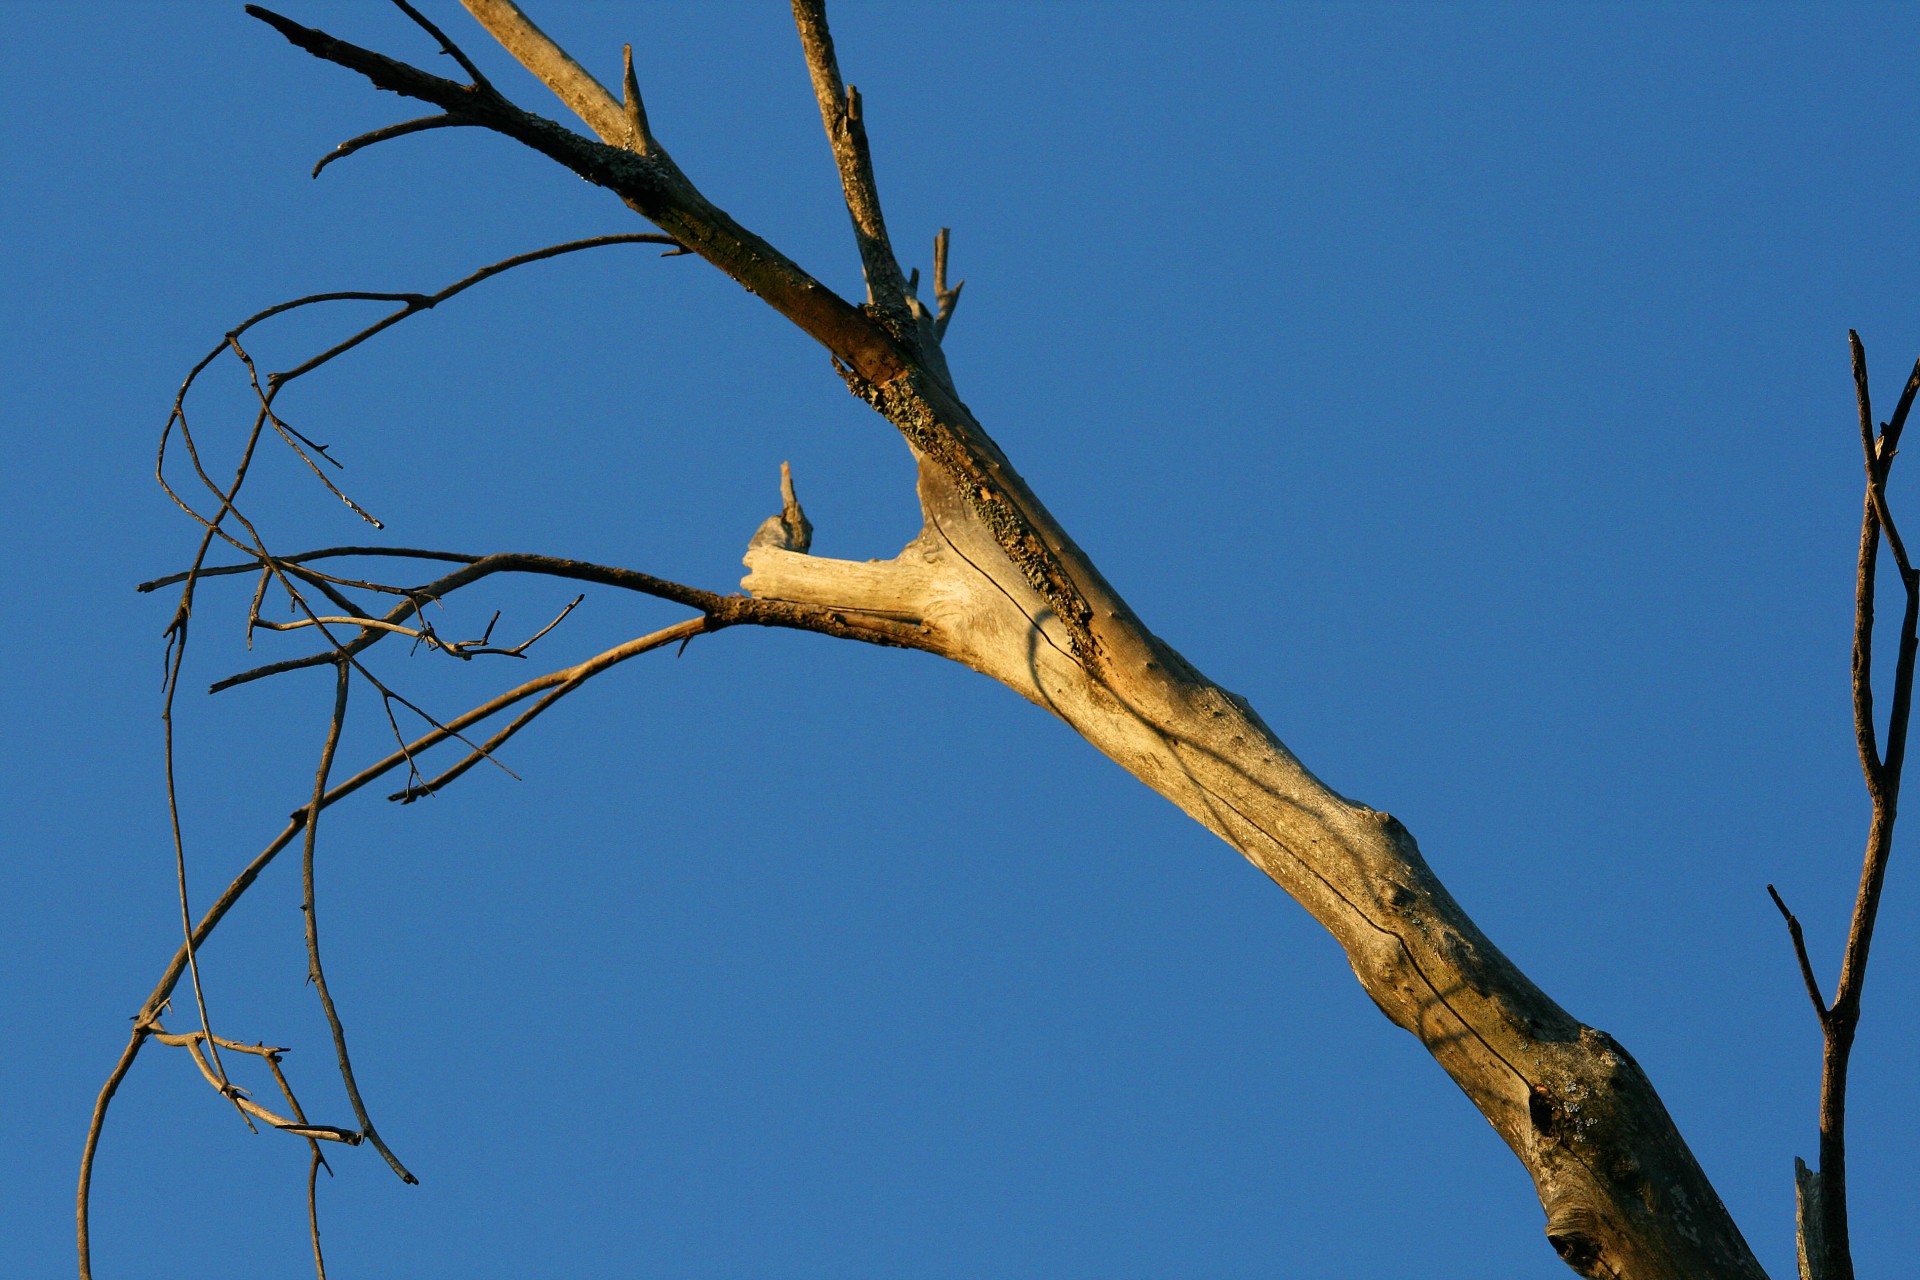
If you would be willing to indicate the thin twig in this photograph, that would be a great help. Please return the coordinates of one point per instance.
(192, 1042)
(465, 649)
(176, 658)
(362, 141)
(1863, 588)
(314, 969)
(415, 303)
(220, 570)
(315, 1162)
(472, 571)
(449, 48)
(562, 683)
(1800, 953)
(520, 650)
(83, 1197)
(373, 624)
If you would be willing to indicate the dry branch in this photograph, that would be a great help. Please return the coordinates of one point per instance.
(1821, 1194)
(993, 581)
(840, 113)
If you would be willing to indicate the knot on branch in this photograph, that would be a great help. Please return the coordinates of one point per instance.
(1572, 1233)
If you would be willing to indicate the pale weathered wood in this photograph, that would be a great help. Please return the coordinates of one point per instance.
(1623, 1195)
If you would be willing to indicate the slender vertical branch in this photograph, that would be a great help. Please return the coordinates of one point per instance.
(314, 969)
(314, 1164)
(944, 299)
(847, 134)
(1825, 1247)
(83, 1200)
(1864, 575)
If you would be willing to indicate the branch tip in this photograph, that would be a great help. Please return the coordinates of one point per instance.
(639, 136)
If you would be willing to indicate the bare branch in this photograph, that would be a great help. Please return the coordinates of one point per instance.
(652, 185)
(1800, 953)
(476, 568)
(324, 553)
(192, 1042)
(583, 95)
(847, 134)
(732, 610)
(315, 972)
(639, 135)
(915, 396)
(1826, 1246)
(401, 130)
(561, 683)
(944, 298)
(448, 47)
(994, 582)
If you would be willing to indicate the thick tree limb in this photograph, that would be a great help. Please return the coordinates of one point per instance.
(1623, 1194)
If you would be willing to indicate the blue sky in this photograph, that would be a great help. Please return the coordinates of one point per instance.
(1466, 386)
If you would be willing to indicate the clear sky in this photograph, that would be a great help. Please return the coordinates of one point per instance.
(1465, 385)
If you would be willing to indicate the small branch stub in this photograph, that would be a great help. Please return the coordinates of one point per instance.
(1809, 1216)
(790, 530)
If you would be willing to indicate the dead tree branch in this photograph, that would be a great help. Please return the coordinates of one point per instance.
(994, 582)
(316, 973)
(1825, 1240)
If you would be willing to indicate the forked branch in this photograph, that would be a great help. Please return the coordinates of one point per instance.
(1825, 1239)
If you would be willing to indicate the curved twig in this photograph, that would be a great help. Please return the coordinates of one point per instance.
(362, 141)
